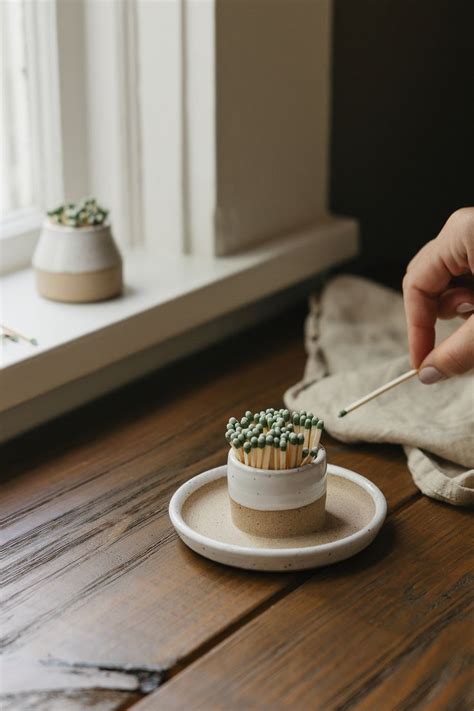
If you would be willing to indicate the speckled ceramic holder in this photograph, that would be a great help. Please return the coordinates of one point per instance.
(278, 502)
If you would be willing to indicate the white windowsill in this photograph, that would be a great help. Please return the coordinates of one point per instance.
(164, 297)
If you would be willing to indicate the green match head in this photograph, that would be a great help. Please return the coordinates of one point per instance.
(248, 415)
(295, 419)
(270, 410)
(290, 427)
(276, 442)
(233, 421)
(286, 415)
(269, 439)
(309, 415)
(307, 424)
(236, 443)
(247, 447)
(283, 445)
(244, 422)
(259, 428)
(229, 435)
(320, 425)
(293, 438)
(342, 413)
(280, 422)
(277, 431)
(314, 421)
(241, 437)
(300, 438)
(254, 442)
(263, 421)
(305, 452)
(256, 417)
(314, 452)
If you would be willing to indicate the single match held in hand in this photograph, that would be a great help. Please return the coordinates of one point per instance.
(375, 393)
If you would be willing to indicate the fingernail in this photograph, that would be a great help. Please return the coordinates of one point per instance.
(465, 308)
(430, 375)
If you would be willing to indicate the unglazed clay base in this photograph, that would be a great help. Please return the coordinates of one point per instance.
(274, 524)
(200, 512)
(80, 288)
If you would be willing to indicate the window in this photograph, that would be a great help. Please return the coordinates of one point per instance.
(198, 138)
(16, 129)
(31, 150)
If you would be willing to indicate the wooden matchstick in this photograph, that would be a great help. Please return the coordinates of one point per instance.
(253, 454)
(15, 335)
(304, 456)
(375, 393)
(293, 450)
(299, 452)
(247, 450)
(276, 453)
(317, 436)
(283, 446)
(267, 451)
(236, 446)
(261, 446)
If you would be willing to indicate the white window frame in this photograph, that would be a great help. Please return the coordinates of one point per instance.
(20, 228)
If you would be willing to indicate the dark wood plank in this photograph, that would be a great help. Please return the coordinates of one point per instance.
(95, 584)
(388, 629)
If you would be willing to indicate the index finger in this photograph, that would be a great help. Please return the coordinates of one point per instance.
(426, 278)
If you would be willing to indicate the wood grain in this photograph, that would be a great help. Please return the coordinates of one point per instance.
(388, 629)
(97, 592)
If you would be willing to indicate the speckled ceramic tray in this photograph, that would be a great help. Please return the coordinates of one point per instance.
(200, 513)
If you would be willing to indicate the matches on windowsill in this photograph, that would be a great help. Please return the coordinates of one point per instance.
(15, 336)
(275, 439)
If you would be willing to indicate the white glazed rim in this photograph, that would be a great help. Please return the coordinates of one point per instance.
(189, 487)
(68, 228)
(278, 472)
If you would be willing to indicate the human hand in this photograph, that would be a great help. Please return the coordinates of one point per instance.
(439, 283)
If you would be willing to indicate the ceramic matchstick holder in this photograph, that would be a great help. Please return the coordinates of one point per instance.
(278, 503)
(77, 264)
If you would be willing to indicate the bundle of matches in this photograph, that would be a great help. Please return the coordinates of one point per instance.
(275, 439)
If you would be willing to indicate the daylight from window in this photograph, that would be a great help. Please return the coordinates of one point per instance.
(16, 180)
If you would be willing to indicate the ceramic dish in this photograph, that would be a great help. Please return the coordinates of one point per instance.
(200, 512)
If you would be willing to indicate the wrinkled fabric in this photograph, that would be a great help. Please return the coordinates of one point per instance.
(355, 337)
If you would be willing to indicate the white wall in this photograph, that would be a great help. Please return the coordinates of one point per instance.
(204, 127)
(272, 117)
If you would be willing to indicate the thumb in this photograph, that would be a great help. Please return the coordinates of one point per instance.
(453, 356)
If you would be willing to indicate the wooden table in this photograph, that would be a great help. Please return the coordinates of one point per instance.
(104, 608)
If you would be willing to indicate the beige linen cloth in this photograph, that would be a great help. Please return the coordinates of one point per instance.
(356, 341)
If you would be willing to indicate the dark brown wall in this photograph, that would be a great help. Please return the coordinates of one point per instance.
(402, 154)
